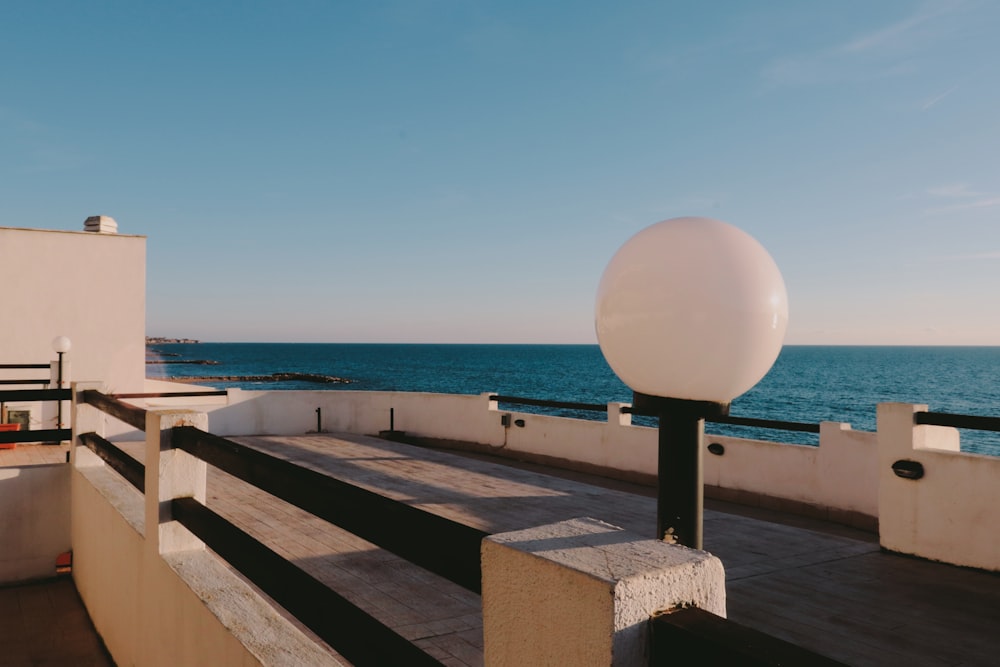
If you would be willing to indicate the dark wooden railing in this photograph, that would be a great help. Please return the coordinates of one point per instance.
(130, 414)
(352, 632)
(957, 421)
(543, 403)
(435, 543)
(30, 396)
(170, 394)
(133, 471)
(445, 547)
(25, 367)
(597, 407)
(693, 636)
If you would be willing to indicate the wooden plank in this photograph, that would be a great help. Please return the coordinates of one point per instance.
(27, 395)
(445, 547)
(126, 466)
(55, 435)
(349, 630)
(131, 415)
(694, 636)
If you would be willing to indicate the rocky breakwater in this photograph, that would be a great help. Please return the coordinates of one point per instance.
(273, 377)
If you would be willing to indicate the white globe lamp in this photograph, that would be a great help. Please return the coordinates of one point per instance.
(61, 344)
(690, 313)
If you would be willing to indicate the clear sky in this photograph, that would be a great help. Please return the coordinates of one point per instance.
(461, 171)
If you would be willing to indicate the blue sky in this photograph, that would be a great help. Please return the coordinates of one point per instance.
(459, 171)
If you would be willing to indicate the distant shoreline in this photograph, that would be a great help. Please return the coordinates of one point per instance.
(157, 340)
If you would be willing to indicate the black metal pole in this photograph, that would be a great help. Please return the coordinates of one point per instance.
(319, 420)
(59, 423)
(680, 491)
(680, 500)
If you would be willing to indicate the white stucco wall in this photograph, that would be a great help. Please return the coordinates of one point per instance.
(90, 287)
(34, 520)
(840, 474)
(952, 513)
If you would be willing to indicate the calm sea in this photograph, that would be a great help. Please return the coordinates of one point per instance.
(806, 384)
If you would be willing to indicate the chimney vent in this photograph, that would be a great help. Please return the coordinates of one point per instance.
(101, 224)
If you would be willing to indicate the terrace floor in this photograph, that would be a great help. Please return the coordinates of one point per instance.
(824, 587)
(45, 623)
(832, 591)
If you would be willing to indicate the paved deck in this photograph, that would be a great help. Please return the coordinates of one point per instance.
(826, 588)
(832, 593)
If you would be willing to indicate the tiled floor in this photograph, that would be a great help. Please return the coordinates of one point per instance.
(836, 595)
(45, 624)
(32, 455)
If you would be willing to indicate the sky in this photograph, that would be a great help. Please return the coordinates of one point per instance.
(462, 171)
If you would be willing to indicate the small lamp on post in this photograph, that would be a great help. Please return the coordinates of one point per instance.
(690, 313)
(61, 344)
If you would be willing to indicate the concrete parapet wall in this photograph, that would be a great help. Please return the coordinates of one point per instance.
(837, 480)
(840, 474)
(951, 514)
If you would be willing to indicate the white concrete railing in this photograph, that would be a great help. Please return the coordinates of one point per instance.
(949, 515)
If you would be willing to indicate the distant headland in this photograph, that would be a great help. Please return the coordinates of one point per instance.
(158, 340)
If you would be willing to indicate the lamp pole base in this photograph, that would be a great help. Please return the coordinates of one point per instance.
(680, 503)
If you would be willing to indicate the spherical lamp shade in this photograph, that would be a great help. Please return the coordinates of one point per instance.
(691, 308)
(61, 344)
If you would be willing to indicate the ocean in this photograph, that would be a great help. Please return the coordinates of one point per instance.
(807, 383)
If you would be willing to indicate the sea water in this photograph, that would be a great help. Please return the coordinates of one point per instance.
(807, 383)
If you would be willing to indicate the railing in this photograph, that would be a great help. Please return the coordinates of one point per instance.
(25, 367)
(442, 546)
(693, 636)
(595, 407)
(957, 421)
(130, 414)
(32, 395)
(133, 471)
(170, 394)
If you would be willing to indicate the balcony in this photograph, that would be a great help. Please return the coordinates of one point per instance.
(824, 586)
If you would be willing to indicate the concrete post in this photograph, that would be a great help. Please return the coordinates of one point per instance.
(171, 473)
(85, 418)
(580, 592)
(913, 514)
(618, 418)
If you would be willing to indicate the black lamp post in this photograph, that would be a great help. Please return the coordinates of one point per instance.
(61, 345)
(690, 313)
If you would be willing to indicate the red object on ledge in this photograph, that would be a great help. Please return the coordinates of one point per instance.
(64, 563)
(9, 427)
